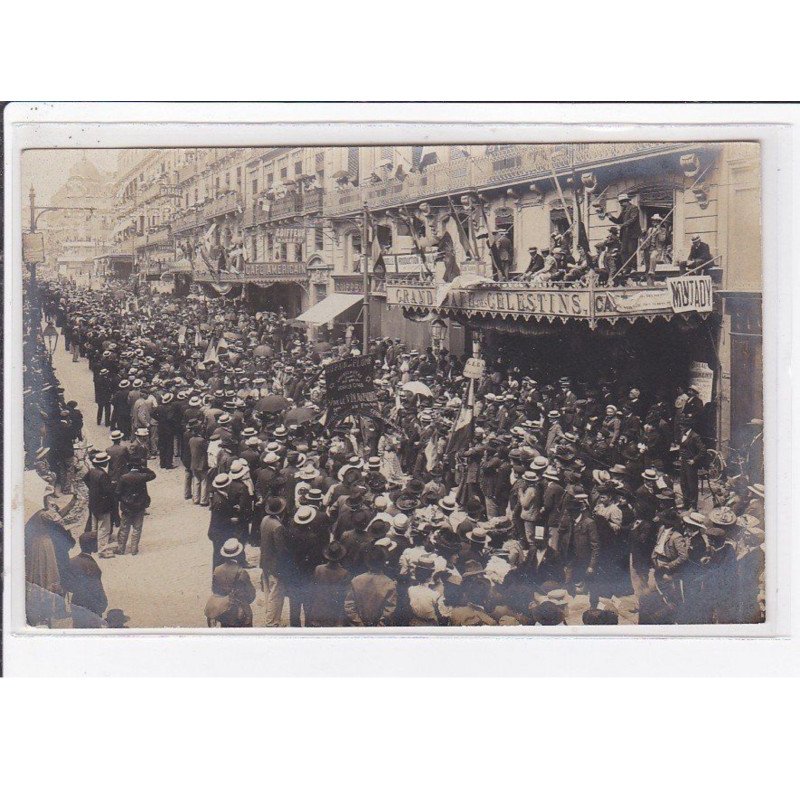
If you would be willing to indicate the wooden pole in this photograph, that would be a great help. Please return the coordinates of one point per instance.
(365, 278)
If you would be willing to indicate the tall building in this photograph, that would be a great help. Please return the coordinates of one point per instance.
(78, 228)
(283, 228)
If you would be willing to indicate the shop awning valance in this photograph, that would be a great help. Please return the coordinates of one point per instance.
(328, 309)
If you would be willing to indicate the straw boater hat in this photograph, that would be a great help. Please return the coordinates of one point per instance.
(695, 520)
(539, 464)
(551, 473)
(478, 536)
(195, 401)
(448, 504)
(116, 436)
(231, 549)
(722, 517)
(650, 475)
(558, 597)
(238, 469)
(222, 480)
(757, 489)
(101, 458)
(305, 515)
(142, 432)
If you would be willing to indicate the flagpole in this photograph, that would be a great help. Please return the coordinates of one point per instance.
(365, 278)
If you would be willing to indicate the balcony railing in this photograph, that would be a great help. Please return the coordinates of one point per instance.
(519, 302)
(312, 201)
(285, 207)
(503, 165)
(187, 221)
(224, 204)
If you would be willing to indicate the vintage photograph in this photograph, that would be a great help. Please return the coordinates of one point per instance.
(393, 386)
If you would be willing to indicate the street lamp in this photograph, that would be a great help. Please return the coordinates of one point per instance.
(438, 331)
(51, 338)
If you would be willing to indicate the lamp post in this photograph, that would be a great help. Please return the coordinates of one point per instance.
(438, 331)
(50, 335)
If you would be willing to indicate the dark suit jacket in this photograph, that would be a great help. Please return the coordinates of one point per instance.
(629, 228)
(198, 448)
(119, 461)
(101, 493)
(579, 542)
(692, 448)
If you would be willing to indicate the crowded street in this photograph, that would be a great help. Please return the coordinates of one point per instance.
(420, 497)
(282, 394)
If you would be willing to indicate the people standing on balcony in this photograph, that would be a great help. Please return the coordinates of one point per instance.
(656, 247)
(630, 231)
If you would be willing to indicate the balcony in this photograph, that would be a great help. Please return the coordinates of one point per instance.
(523, 304)
(187, 221)
(503, 165)
(159, 236)
(285, 207)
(228, 203)
(312, 201)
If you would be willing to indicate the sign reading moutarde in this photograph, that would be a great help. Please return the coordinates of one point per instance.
(349, 388)
(691, 293)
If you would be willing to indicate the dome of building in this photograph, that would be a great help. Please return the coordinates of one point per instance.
(85, 169)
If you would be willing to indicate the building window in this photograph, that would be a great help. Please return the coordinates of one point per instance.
(270, 180)
(284, 173)
(255, 186)
(227, 180)
(239, 178)
(284, 255)
(559, 225)
(298, 251)
(195, 196)
(298, 168)
(353, 252)
(216, 186)
(319, 237)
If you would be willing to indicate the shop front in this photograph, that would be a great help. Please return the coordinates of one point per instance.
(654, 338)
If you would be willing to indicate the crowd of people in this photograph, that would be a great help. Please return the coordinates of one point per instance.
(574, 499)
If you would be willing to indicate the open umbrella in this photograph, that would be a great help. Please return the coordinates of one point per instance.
(262, 351)
(272, 403)
(417, 387)
(297, 416)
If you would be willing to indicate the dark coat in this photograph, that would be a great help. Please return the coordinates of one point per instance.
(579, 542)
(118, 465)
(101, 492)
(84, 581)
(132, 490)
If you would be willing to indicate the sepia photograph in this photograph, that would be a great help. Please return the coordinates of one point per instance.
(393, 386)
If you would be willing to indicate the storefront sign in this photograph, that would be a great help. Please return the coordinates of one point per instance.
(290, 235)
(413, 262)
(349, 387)
(690, 293)
(702, 378)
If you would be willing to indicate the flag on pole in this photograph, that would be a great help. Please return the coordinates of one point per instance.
(461, 434)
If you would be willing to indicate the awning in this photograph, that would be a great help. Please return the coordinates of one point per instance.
(328, 309)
